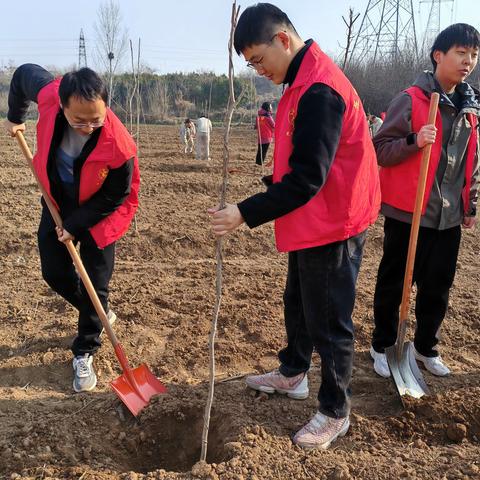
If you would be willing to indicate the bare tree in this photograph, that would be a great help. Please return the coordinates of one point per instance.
(158, 98)
(111, 40)
(210, 97)
(378, 82)
(135, 93)
(352, 18)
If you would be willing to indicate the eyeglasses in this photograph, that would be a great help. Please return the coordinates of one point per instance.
(86, 125)
(255, 64)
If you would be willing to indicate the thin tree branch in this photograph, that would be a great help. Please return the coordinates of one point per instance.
(223, 190)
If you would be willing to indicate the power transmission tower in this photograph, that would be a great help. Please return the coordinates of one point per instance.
(432, 28)
(82, 51)
(387, 27)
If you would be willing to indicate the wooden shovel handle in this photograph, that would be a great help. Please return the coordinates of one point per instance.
(417, 212)
(77, 261)
(29, 157)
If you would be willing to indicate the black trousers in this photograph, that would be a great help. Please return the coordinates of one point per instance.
(434, 272)
(261, 153)
(319, 299)
(59, 272)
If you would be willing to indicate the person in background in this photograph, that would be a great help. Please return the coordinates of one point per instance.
(265, 126)
(187, 135)
(204, 130)
(450, 200)
(374, 124)
(87, 163)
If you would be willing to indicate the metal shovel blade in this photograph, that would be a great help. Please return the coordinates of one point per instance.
(406, 375)
(136, 387)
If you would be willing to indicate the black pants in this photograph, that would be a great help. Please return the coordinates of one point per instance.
(434, 271)
(319, 299)
(59, 272)
(261, 153)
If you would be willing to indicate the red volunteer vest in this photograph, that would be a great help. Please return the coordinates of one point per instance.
(265, 129)
(115, 146)
(349, 201)
(399, 182)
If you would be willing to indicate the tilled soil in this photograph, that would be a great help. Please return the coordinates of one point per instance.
(163, 293)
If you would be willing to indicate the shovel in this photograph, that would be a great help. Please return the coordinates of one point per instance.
(400, 357)
(135, 386)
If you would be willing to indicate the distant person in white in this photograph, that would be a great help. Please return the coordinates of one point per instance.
(204, 129)
(187, 135)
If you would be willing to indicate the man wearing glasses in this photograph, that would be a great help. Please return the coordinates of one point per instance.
(323, 195)
(86, 161)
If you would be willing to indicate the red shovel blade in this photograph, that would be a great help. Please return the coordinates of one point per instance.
(136, 392)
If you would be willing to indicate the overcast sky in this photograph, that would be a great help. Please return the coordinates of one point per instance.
(184, 35)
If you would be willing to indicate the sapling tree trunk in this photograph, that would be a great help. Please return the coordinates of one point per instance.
(219, 258)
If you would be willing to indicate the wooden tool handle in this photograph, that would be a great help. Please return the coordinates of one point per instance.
(77, 261)
(28, 155)
(417, 212)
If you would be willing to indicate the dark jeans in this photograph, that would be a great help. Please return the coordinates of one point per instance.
(261, 153)
(59, 272)
(319, 299)
(434, 271)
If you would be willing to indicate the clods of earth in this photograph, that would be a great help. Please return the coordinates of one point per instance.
(163, 293)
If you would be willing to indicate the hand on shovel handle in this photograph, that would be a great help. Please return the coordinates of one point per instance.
(68, 243)
(136, 386)
(417, 212)
(406, 375)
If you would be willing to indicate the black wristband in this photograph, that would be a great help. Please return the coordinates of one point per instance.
(412, 139)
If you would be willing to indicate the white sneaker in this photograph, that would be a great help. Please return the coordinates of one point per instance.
(84, 378)
(380, 364)
(111, 319)
(434, 365)
(294, 387)
(321, 431)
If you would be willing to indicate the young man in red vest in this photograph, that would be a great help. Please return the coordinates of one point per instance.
(86, 161)
(450, 196)
(323, 196)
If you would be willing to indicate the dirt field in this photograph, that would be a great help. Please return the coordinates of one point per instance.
(163, 293)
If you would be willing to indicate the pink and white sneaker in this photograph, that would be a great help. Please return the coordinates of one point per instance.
(321, 431)
(294, 387)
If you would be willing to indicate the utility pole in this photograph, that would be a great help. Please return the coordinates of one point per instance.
(82, 51)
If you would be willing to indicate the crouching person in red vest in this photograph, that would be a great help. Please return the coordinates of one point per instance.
(323, 195)
(450, 196)
(86, 161)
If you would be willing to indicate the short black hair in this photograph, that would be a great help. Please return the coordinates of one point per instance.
(267, 106)
(460, 34)
(84, 84)
(258, 24)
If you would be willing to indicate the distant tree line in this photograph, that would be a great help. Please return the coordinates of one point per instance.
(168, 98)
(165, 98)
